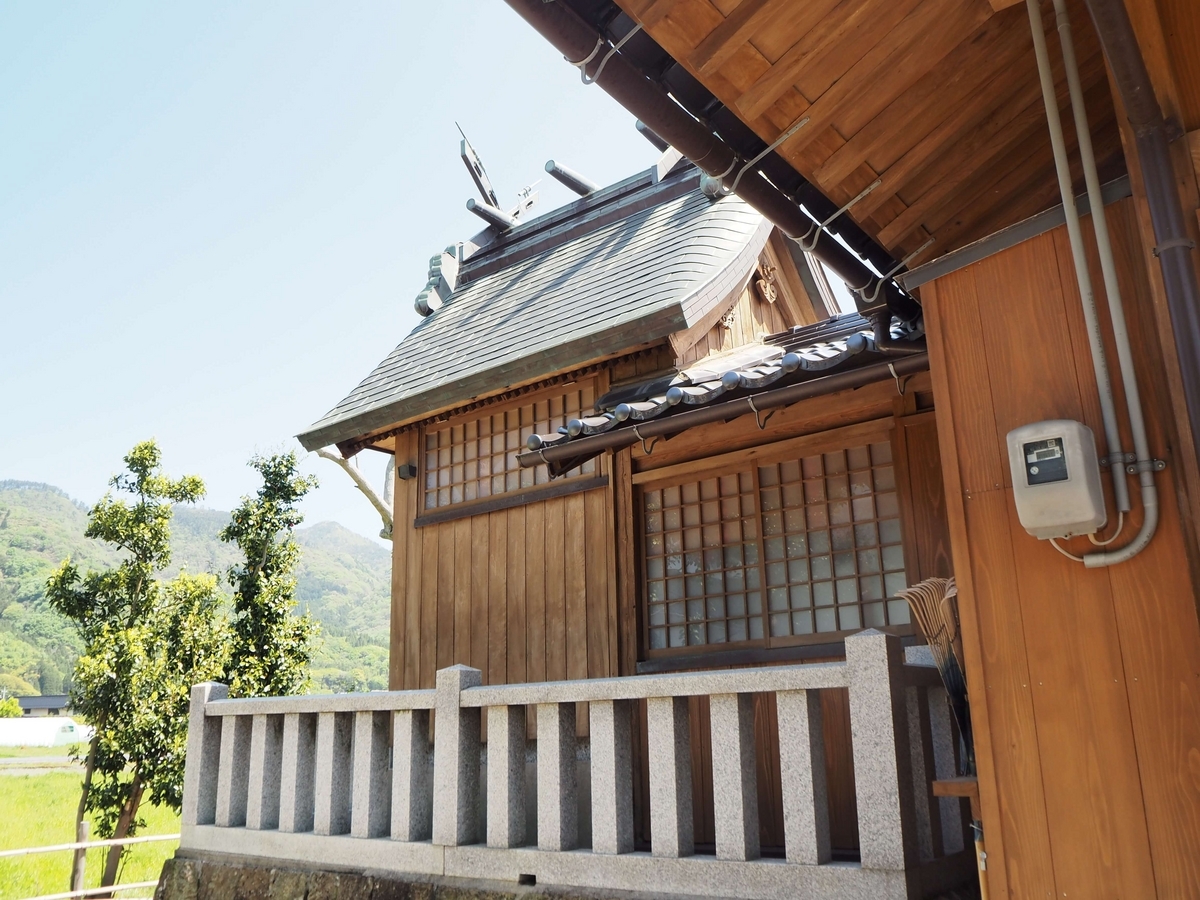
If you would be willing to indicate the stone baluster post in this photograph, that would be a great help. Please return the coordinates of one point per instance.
(670, 744)
(557, 798)
(266, 757)
(802, 771)
(882, 759)
(297, 783)
(332, 782)
(371, 804)
(612, 776)
(735, 795)
(233, 779)
(506, 776)
(412, 778)
(203, 756)
(455, 759)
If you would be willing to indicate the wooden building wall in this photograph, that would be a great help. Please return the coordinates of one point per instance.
(1085, 683)
(747, 321)
(549, 589)
(522, 594)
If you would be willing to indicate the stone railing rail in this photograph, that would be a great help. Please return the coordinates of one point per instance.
(349, 781)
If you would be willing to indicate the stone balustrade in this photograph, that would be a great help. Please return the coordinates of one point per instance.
(366, 781)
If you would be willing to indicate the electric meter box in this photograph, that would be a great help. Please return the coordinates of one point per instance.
(1056, 478)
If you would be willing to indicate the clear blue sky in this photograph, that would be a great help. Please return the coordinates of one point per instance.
(214, 217)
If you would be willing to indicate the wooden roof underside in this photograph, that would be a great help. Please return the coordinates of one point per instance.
(939, 99)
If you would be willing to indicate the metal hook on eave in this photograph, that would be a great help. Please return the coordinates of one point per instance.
(900, 383)
(758, 420)
(894, 270)
(582, 64)
(756, 160)
(647, 450)
(818, 227)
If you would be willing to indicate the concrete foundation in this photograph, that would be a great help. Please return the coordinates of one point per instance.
(230, 877)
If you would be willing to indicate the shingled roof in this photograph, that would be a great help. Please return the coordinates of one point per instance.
(632, 263)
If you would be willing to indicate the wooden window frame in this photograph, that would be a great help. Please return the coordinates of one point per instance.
(767, 648)
(505, 499)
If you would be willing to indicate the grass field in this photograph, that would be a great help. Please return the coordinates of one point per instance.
(18, 752)
(37, 810)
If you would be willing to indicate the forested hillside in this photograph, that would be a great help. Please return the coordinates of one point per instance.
(343, 579)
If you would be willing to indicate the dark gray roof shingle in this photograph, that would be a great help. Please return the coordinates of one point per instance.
(805, 352)
(630, 266)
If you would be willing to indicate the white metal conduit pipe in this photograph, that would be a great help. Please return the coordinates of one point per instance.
(1144, 463)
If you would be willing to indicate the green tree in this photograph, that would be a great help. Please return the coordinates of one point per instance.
(272, 646)
(145, 643)
(10, 708)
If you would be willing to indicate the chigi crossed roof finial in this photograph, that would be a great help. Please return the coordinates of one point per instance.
(489, 210)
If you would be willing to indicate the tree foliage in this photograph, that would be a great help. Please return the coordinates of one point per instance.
(272, 646)
(10, 708)
(146, 642)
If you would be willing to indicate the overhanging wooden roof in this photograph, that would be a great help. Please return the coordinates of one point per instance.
(937, 99)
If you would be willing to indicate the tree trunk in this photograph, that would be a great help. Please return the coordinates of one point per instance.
(124, 821)
(88, 768)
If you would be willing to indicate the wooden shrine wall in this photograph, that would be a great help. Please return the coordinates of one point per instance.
(522, 594)
(1085, 684)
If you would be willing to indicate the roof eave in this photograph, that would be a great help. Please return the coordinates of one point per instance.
(572, 355)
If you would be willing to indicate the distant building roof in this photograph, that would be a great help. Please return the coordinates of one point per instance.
(46, 701)
(629, 264)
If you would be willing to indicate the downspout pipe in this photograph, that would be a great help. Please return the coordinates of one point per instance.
(1144, 463)
(1174, 247)
(1062, 167)
(881, 324)
(579, 41)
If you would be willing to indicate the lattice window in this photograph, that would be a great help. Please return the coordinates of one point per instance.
(703, 582)
(777, 553)
(831, 542)
(476, 458)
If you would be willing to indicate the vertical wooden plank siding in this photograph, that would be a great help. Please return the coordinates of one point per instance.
(403, 532)
(930, 536)
(556, 591)
(612, 613)
(480, 545)
(427, 602)
(496, 670)
(445, 594)
(535, 591)
(1085, 694)
(626, 564)
(595, 570)
(401, 504)
(576, 584)
(516, 669)
(462, 591)
(575, 581)
(1164, 701)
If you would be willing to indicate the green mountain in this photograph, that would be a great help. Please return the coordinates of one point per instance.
(343, 580)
